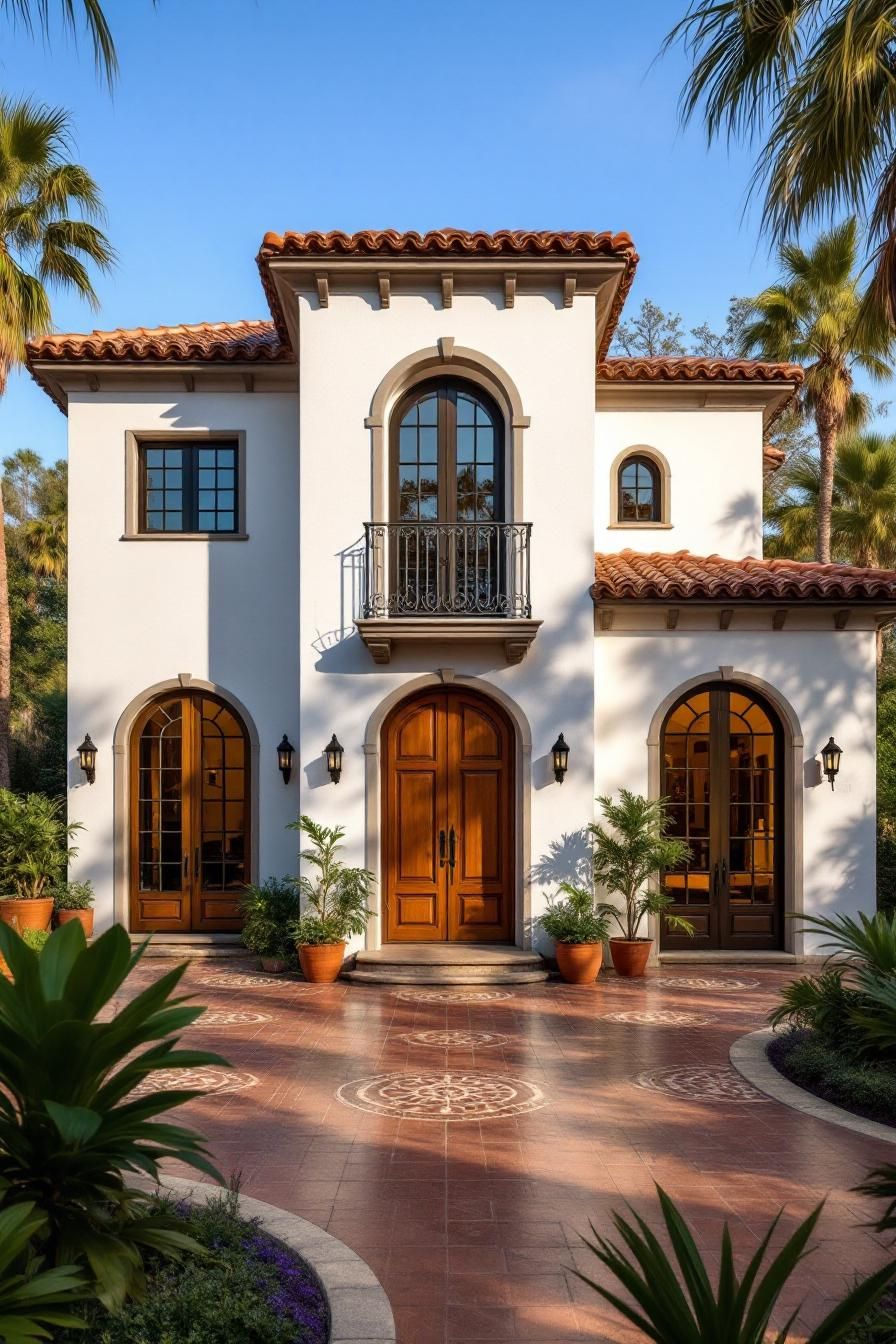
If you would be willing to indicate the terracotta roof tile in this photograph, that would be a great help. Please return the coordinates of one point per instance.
(693, 368)
(249, 341)
(638, 576)
(448, 242)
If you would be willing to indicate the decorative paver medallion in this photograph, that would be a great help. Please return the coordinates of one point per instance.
(231, 980)
(703, 982)
(442, 1096)
(453, 995)
(209, 1079)
(662, 1018)
(238, 1019)
(700, 1083)
(456, 1040)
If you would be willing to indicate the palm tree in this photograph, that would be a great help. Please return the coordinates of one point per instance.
(813, 86)
(44, 244)
(816, 316)
(36, 14)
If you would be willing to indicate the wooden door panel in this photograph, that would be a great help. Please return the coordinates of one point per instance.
(414, 764)
(479, 735)
(480, 808)
(480, 824)
(417, 802)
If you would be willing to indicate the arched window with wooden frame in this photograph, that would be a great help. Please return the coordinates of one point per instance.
(190, 811)
(639, 495)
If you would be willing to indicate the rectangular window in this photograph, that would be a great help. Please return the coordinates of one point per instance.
(188, 487)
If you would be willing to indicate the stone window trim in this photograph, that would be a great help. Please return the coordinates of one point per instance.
(653, 455)
(133, 440)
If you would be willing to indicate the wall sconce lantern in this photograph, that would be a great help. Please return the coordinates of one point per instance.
(830, 758)
(87, 758)
(285, 752)
(560, 754)
(333, 753)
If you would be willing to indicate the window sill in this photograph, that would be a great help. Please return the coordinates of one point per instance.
(381, 634)
(184, 536)
(639, 527)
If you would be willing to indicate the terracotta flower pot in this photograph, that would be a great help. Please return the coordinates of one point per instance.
(630, 955)
(27, 914)
(274, 965)
(84, 917)
(321, 962)
(579, 963)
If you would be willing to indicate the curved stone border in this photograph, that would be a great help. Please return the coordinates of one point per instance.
(359, 1308)
(748, 1056)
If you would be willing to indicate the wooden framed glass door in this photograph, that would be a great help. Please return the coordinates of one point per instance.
(189, 816)
(722, 771)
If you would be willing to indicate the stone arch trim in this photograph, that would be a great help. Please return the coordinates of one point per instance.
(373, 858)
(121, 778)
(661, 462)
(793, 784)
(446, 359)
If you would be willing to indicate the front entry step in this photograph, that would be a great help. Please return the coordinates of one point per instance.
(190, 946)
(447, 964)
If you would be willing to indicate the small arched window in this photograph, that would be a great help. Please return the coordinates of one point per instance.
(639, 491)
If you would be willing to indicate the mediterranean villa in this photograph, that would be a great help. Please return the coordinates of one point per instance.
(370, 557)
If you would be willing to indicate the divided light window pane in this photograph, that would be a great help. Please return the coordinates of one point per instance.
(188, 488)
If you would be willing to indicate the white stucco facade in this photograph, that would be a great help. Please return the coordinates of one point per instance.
(268, 621)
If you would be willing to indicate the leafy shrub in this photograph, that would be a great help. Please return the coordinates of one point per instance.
(74, 896)
(36, 939)
(70, 1128)
(245, 1290)
(807, 1059)
(628, 853)
(575, 920)
(34, 843)
(672, 1299)
(32, 1298)
(335, 899)
(268, 912)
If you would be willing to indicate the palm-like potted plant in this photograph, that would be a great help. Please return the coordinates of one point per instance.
(333, 902)
(629, 851)
(74, 901)
(269, 912)
(35, 850)
(579, 930)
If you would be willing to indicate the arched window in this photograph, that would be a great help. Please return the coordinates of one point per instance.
(447, 455)
(640, 491)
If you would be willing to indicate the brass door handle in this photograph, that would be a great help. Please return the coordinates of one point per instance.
(724, 873)
(452, 848)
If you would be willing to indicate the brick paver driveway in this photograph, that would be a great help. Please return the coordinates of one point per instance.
(461, 1144)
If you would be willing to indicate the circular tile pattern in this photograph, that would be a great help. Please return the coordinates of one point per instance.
(700, 1083)
(704, 982)
(213, 1019)
(662, 1018)
(453, 995)
(456, 1040)
(442, 1096)
(209, 1079)
(235, 981)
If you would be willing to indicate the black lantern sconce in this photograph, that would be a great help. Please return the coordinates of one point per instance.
(560, 755)
(830, 759)
(87, 758)
(285, 753)
(333, 753)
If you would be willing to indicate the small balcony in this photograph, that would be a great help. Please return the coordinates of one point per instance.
(431, 582)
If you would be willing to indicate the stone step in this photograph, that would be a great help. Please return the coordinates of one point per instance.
(190, 949)
(447, 964)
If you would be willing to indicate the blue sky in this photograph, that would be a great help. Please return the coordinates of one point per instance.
(232, 117)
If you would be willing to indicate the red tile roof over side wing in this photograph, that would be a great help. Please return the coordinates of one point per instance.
(248, 341)
(693, 369)
(638, 576)
(448, 242)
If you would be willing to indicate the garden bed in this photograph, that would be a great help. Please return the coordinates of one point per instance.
(247, 1287)
(805, 1059)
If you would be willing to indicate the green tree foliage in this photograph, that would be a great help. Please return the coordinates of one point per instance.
(35, 16)
(35, 499)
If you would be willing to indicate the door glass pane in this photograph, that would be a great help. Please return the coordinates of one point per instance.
(223, 790)
(160, 845)
(686, 783)
(751, 749)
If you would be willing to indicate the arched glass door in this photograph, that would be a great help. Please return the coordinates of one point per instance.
(189, 815)
(722, 771)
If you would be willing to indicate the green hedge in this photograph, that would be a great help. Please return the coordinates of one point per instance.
(864, 1089)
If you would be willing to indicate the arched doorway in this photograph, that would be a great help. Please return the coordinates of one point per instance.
(448, 819)
(189, 815)
(722, 768)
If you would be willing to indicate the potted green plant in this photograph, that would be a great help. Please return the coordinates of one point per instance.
(333, 902)
(628, 853)
(74, 901)
(578, 929)
(34, 853)
(269, 911)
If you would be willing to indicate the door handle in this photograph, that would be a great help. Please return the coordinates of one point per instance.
(187, 864)
(452, 848)
(724, 873)
(441, 849)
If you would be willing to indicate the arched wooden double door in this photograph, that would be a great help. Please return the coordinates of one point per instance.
(723, 773)
(448, 820)
(189, 790)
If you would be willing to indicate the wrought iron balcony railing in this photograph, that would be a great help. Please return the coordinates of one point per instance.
(447, 569)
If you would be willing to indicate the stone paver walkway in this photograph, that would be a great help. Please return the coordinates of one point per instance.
(461, 1144)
